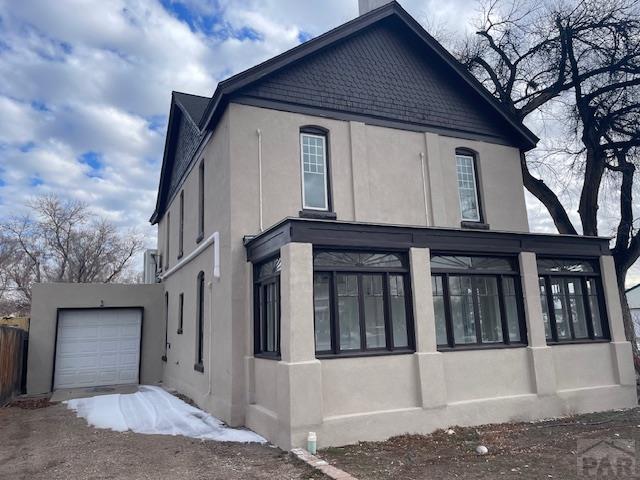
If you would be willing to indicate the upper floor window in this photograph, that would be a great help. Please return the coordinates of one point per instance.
(572, 301)
(362, 303)
(468, 186)
(313, 157)
(266, 290)
(167, 241)
(181, 229)
(200, 202)
(477, 301)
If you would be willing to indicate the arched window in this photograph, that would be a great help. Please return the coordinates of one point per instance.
(199, 365)
(468, 191)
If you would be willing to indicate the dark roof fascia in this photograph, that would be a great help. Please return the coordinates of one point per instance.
(242, 79)
(342, 234)
(168, 144)
(368, 119)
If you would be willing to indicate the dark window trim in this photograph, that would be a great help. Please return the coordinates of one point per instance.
(583, 277)
(480, 223)
(166, 326)
(259, 317)
(445, 274)
(200, 323)
(181, 227)
(167, 242)
(309, 212)
(334, 323)
(180, 313)
(201, 202)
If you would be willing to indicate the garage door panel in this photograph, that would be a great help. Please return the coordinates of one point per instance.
(97, 347)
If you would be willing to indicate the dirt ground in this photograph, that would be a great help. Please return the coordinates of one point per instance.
(52, 443)
(524, 450)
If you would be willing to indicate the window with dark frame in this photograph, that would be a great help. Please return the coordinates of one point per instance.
(314, 160)
(166, 326)
(181, 227)
(266, 290)
(167, 242)
(468, 186)
(572, 301)
(180, 313)
(200, 202)
(477, 301)
(199, 365)
(362, 303)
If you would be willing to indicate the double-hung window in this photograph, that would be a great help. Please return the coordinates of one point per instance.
(315, 183)
(468, 187)
(362, 303)
(266, 289)
(572, 302)
(477, 301)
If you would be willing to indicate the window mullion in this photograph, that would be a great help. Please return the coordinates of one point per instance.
(447, 310)
(567, 298)
(361, 314)
(503, 317)
(386, 302)
(551, 308)
(333, 305)
(476, 309)
(587, 307)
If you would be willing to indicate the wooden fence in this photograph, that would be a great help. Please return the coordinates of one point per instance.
(13, 362)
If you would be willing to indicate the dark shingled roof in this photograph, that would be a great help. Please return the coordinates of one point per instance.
(193, 105)
(381, 68)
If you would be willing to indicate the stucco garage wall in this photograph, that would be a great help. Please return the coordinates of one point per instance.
(49, 297)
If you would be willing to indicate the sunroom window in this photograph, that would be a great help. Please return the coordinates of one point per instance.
(571, 298)
(362, 303)
(476, 301)
(266, 289)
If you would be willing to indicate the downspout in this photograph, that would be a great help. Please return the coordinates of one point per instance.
(260, 176)
(216, 275)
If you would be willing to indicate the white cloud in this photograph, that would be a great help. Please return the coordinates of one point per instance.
(80, 76)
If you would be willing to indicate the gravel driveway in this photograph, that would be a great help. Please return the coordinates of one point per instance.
(51, 443)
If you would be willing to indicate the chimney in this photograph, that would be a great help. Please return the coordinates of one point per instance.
(365, 6)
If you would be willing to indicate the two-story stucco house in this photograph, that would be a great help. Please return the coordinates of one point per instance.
(345, 250)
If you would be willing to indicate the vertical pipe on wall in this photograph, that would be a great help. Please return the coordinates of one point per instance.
(260, 175)
(424, 188)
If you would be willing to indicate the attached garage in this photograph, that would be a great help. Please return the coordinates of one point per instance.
(97, 347)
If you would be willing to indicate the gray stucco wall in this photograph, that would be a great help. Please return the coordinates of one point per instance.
(49, 297)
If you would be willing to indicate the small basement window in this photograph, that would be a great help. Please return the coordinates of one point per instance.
(362, 303)
(572, 301)
(477, 301)
(266, 290)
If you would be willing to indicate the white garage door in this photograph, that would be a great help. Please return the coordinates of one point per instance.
(97, 347)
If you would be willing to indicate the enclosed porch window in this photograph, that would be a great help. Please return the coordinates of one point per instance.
(266, 290)
(362, 303)
(572, 301)
(477, 301)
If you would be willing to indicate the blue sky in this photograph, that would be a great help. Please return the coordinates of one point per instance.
(86, 85)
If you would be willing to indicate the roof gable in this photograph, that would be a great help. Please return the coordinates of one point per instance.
(387, 73)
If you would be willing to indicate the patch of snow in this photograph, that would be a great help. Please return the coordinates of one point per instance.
(154, 411)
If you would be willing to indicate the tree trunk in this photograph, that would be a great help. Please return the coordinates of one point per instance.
(629, 329)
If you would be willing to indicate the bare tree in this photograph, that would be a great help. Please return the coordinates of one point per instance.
(582, 58)
(61, 241)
